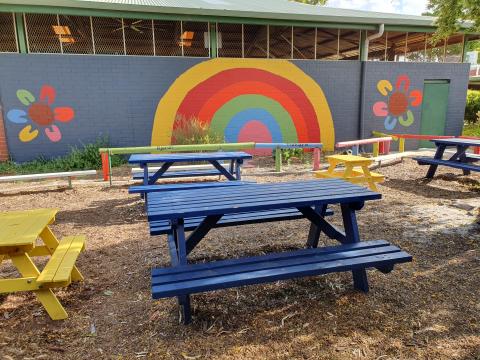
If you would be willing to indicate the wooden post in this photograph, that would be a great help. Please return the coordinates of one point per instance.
(316, 158)
(278, 159)
(105, 166)
(109, 168)
(376, 149)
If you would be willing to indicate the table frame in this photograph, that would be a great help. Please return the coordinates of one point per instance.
(21, 258)
(460, 155)
(181, 245)
(232, 173)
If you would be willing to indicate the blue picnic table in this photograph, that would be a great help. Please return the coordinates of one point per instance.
(201, 210)
(167, 160)
(460, 159)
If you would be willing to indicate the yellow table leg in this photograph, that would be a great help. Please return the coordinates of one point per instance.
(369, 178)
(51, 242)
(27, 268)
(348, 170)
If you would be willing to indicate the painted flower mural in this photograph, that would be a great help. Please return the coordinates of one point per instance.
(396, 109)
(39, 114)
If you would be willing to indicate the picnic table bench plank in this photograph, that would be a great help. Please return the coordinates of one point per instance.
(163, 226)
(179, 174)
(256, 258)
(315, 263)
(138, 189)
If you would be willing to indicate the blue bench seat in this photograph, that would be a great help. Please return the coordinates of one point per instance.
(450, 163)
(160, 227)
(195, 278)
(179, 174)
(140, 189)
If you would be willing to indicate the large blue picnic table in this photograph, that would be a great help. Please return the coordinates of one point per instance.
(167, 160)
(201, 210)
(460, 159)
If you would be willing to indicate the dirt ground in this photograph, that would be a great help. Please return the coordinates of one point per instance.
(427, 309)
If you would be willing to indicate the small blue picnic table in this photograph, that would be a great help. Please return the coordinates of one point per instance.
(233, 173)
(201, 210)
(460, 160)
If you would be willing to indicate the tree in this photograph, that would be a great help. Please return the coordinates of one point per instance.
(313, 2)
(451, 12)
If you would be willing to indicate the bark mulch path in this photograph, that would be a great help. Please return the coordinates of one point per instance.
(428, 309)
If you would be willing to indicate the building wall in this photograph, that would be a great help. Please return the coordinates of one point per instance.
(52, 102)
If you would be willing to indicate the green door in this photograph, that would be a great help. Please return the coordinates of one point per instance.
(434, 109)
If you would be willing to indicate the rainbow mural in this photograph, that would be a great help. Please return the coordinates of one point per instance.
(247, 100)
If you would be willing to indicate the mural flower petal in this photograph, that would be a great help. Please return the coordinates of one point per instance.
(47, 94)
(64, 114)
(384, 87)
(390, 122)
(25, 97)
(417, 97)
(26, 134)
(380, 108)
(54, 133)
(17, 116)
(405, 80)
(409, 121)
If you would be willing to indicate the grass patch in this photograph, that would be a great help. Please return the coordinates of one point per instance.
(471, 129)
(86, 157)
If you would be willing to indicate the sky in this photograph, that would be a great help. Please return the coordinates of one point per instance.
(411, 7)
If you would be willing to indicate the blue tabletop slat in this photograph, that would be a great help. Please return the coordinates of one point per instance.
(209, 198)
(256, 197)
(241, 202)
(457, 141)
(218, 155)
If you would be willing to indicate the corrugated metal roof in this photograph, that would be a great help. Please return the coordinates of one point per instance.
(262, 9)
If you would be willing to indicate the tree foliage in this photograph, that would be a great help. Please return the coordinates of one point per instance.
(451, 12)
(313, 2)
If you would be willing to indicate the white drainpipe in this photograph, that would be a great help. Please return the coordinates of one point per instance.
(381, 29)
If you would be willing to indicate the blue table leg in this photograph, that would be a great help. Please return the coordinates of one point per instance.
(315, 231)
(438, 155)
(145, 173)
(222, 170)
(178, 232)
(360, 281)
(232, 166)
(238, 169)
(461, 156)
(153, 179)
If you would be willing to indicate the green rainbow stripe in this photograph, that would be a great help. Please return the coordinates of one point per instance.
(223, 115)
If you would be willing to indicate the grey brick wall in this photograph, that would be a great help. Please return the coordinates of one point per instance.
(457, 74)
(117, 96)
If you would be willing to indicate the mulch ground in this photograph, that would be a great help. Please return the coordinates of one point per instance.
(427, 309)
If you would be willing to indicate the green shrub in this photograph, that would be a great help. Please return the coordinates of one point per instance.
(473, 106)
(471, 129)
(79, 158)
(191, 131)
(288, 154)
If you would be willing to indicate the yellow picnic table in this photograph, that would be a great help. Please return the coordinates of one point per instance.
(356, 170)
(19, 243)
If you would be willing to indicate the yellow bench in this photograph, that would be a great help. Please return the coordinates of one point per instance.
(58, 271)
(19, 244)
(356, 170)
